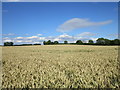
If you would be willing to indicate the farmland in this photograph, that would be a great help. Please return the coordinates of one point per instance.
(60, 66)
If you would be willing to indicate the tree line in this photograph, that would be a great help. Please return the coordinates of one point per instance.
(99, 41)
(12, 44)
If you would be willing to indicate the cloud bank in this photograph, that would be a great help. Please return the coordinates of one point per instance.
(85, 36)
(76, 23)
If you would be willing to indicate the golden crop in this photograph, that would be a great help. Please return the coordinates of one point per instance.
(60, 66)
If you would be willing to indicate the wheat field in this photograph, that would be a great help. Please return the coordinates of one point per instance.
(60, 66)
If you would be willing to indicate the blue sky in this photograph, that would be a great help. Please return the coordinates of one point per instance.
(30, 22)
(60, 0)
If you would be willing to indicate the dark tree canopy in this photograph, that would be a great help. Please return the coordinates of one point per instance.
(8, 43)
(36, 44)
(56, 42)
(116, 41)
(48, 42)
(99, 41)
(44, 42)
(90, 42)
(65, 42)
(107, 41)
(103, 41)
(79, 42)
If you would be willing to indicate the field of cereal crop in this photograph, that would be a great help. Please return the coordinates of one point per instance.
(60, 66)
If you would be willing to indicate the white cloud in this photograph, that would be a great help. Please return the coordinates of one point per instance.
(65, 36)
(36, 42)
(73, 39)
(32, 37)
(19, 38)
(76, 23)
(39, 34)
(28, 41)
(8, 40)
(86, 34)
(57, 39)
(18, 41)
(60, 38)
(41, 38)
(94, 39)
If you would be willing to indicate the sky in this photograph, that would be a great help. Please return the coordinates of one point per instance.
(60, 0)
(35, 22)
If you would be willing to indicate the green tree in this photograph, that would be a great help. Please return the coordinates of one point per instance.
(90, 42)
(79, 42)
(52, 43)
(56, 42)
(44, 42)
(100, 41)
(116, 41)
(107, 41)
(49, 42)
(103, 41)
(65, 42)
(111, 42)
(37, 44)
(8, 43)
